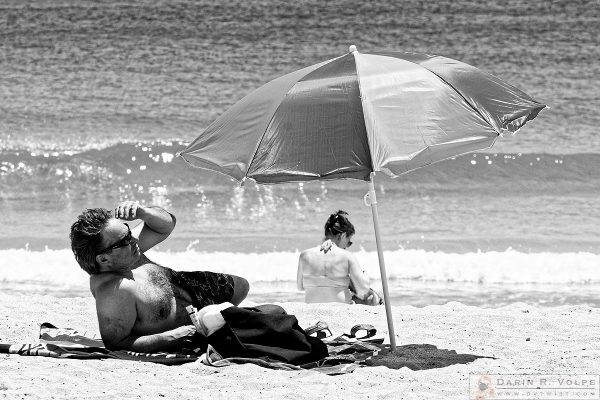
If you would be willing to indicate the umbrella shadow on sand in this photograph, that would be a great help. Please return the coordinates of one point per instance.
(419, 357)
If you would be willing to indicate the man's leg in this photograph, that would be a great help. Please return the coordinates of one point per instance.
(240, 289)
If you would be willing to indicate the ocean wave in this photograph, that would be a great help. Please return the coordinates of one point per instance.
(136, 164)
(58, 267)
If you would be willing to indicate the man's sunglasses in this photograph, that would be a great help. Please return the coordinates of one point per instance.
(121, 243)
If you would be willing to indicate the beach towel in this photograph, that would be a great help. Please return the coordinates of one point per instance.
(344, 356)
(70, 343)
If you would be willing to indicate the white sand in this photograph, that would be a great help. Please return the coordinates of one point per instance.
(562, 340)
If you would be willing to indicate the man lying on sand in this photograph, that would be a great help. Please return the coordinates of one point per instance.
(141, 306)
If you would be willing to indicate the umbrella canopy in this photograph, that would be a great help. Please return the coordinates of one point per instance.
(353, 115)
(359, 113)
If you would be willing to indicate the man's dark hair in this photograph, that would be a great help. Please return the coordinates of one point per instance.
(338, 223)
(86, 237)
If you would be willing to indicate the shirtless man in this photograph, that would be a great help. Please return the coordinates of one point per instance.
(140, 304)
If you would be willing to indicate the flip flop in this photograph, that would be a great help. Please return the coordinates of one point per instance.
(368, 337)
(320, 328)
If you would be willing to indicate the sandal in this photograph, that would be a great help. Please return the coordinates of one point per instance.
(320, 328)
(368, 337)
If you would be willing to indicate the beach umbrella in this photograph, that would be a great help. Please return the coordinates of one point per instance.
(358, 114)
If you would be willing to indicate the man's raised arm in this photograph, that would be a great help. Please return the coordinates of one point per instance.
(158, 223)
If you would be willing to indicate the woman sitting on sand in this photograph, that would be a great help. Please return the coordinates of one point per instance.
(330, 273)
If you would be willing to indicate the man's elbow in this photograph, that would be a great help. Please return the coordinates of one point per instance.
(168, 229)
(117, 342)
(116, 345)
(241, 287)
(131, 344)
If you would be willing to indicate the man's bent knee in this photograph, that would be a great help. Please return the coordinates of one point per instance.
(240, 289)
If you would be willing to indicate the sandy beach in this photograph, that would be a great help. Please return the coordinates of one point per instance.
(516, 339)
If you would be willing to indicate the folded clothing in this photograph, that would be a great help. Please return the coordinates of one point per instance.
(265, 332)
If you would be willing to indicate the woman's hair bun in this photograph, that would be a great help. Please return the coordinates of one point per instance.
(338, 223)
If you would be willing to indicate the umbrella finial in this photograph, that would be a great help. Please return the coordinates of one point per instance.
(352, 49)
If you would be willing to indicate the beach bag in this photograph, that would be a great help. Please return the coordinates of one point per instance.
(266, 332)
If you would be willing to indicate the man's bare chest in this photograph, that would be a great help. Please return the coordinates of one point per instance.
(157, 298)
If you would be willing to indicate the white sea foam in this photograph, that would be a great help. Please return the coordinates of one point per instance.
(58, 267)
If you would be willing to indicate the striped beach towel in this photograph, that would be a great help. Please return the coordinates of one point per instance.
(70, 343)
(344, 356)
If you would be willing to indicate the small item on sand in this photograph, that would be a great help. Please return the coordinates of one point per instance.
(321, 329)
(368, 337)
(208, 320)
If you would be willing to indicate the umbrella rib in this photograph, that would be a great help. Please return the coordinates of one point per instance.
(461, 95)
(504, 123)
(275, 112)
(208, 165)
(262, 137)
(370, 145)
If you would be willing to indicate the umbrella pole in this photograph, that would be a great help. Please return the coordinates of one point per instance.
(384, 283)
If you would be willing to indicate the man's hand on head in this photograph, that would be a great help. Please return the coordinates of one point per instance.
(158, 222)
(128, 210)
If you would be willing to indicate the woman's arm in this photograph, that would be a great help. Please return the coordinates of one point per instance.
(300, 274)
(358, 278)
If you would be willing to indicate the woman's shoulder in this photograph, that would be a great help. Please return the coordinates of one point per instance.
(323, 248)
(319, 254)
(307, 253)
(311, 250)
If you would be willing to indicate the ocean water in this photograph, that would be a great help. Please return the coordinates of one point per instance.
(97, 97)
(416, 277)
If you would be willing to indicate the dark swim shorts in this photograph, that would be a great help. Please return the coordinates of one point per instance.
(204, 287)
